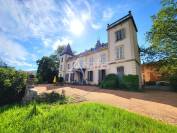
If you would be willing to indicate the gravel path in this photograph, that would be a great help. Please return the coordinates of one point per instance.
(161, 105)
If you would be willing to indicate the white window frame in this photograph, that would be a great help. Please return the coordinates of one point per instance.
(120, 52)
(81, 63)
(91, 61)
(103, 58)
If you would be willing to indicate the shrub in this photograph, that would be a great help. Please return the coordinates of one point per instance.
(110, 81)
(12, 85)
(61, 80)
(51, 97)
(173, 82)
(130, 82)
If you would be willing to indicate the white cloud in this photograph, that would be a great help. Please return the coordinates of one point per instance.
(96, 26)
(13, 53)
(107, 14)
(44, 19)
(61, 42)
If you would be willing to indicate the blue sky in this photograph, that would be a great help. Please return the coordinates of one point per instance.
(30, 29)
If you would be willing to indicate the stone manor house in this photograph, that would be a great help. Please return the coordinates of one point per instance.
(120, 55)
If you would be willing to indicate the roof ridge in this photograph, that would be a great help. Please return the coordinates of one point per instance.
(126, 17)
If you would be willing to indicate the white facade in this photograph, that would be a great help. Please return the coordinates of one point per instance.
(120, 55)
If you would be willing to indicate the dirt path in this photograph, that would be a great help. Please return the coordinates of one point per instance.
(160, 105)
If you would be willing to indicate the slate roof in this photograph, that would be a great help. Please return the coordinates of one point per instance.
(67, 50)
(98, 46)
(121, 20)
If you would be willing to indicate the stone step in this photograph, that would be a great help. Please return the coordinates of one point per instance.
(77, 98)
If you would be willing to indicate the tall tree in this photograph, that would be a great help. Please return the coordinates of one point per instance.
(163, 38)
(57, 52)
(47, 70)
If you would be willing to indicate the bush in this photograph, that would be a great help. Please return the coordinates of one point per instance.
(110, 81)
(60, 80)
(51, 97)
(12, 85)
(173, 82)
(130, 82)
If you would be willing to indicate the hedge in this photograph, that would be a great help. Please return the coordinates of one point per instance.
(127, 82)
(173, 82)
(12, 85)
(130, 82)
(110, 81)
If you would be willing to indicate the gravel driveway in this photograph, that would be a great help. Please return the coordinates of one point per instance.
(161, 105)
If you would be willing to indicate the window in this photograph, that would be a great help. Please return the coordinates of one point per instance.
(120, 52)
(102, 74)
(90, 75)
(68, 66)
(67, 77)
(81, 63)
(103, 58)
(61, 68)
(120, 34)
(120, 71)
(91, 61)
(61, 59)
(72, 77)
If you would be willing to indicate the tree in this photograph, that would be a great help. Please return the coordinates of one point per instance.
(12, 85)
(47, 69)
(59, 49)
(57, 52)
(163, 38)
(48, 66)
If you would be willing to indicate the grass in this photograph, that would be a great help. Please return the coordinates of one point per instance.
(76, 118)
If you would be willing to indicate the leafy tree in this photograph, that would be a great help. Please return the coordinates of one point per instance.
(163, 39)
(48, 66)
(12, 85)
(57, 52)
(47, 69)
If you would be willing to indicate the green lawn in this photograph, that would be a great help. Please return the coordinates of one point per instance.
(76, 118)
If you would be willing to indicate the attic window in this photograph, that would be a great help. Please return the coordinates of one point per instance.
(120, 34)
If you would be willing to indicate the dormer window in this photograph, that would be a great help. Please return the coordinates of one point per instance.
(120, 34)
